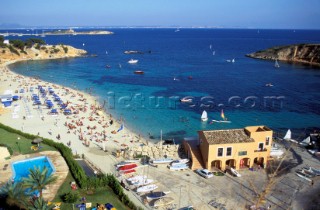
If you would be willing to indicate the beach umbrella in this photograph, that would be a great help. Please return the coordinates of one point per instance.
(37, 140)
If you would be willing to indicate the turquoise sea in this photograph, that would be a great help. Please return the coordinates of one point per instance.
(150, 102)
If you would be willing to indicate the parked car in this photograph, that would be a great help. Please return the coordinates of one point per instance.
(205, 173)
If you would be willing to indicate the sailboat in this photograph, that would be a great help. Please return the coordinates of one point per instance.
(147, 188)
(305, 142)
(204, 116)
(276, 64)
(224, 119)
(288, 137)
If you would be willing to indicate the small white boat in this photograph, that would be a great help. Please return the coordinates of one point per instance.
(142, 182)
(312, 151)
(234, 172)
(164, 201)
(162, 160)
(123, 163)
(147, 188)
(180, 161)
(157, 195)
(221, 121)
(186, 100)
(204, 116)
(269, 85)
(178, 167)
(314, 170)
(303, 175)
(276, 64)
(132, 61)
(132, 161)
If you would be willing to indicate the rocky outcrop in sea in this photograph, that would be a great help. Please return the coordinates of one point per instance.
(298, 53)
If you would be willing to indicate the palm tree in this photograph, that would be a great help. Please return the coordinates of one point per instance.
(38, 179)
(13, 193)
(39, 204)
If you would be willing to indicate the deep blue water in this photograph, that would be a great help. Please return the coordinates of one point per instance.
(149, 102)
(21, 168)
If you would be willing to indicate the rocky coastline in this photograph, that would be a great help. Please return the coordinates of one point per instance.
(42, 53)
(298, 53)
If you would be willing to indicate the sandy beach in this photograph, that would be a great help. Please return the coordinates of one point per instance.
(89, 130)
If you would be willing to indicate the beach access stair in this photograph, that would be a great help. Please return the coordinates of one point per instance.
(194, 153)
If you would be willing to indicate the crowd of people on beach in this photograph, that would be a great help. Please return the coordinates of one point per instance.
(88, 121)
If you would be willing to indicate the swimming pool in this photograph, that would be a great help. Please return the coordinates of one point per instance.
(21, 168)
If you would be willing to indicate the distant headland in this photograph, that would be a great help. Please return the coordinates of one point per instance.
(58, 32)
(73, 32)
(35, 49)
(298, 53)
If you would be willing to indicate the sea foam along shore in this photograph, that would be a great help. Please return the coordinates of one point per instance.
(91, 131)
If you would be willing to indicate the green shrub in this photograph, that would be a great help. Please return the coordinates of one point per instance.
(13, 50)
(65, 49)
(71, 197)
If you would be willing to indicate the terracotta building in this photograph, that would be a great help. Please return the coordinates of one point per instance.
(237, 148)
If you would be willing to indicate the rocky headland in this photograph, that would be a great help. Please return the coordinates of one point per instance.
(36, 52)
(298, 53)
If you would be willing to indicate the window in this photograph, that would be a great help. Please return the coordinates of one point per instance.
(242, 153)
(220, 152)
(267, 141)
(229, 151)
(261, 146)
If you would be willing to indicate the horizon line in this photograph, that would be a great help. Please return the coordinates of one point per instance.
(148, 27)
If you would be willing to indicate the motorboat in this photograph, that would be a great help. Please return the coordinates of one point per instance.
(269, 85)
(186, 100)
(147, 188)
(138, 72)
(133, 61)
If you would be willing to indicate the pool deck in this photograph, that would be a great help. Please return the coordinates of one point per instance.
(57, 160)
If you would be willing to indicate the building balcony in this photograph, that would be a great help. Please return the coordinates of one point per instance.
(261, 150)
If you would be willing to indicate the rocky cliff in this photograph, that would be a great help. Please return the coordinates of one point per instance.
(299, 53)
(40, 53)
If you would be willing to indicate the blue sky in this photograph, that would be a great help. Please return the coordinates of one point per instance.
(291, 14)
